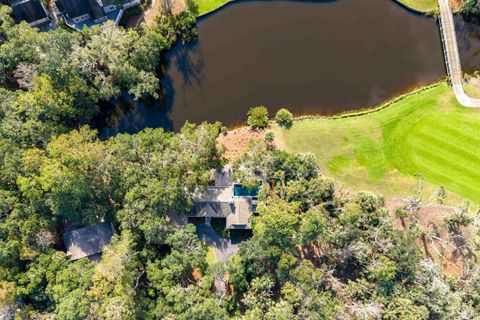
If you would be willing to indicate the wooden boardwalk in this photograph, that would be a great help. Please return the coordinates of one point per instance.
(452, 58)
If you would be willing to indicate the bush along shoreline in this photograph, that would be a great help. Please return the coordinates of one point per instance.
(345, 114)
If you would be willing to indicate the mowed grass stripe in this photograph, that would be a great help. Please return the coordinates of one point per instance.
(468, 132)
(460, 152)
(427, 132)
(457, 136)
(453, 177)
(434, 159)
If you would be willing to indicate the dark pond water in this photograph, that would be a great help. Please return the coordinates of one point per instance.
(468, 38)
(316, 57)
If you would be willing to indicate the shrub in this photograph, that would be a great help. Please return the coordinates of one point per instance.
(401, 213)
(269, 137)
(284, 118)
(224, 130)
(258, 117)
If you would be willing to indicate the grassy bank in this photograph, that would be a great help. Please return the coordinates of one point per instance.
(206, 6)
(420, 5)
(427, 133)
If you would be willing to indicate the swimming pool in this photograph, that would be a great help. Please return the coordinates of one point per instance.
(240, 191)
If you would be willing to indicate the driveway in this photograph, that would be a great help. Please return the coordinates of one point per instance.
(224, 248)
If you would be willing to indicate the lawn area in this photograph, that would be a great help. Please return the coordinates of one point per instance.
(420, 5)
(427, 133)
(211, 256)
(205, 6)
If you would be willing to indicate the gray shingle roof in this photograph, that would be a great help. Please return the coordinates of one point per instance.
(212, 209)
(28, 10)
(239, 219)
(214, 194)
(87, 241)
(219, 201)
(76, 8)
(223, 177)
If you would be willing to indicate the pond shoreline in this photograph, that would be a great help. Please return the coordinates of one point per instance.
(361, 112)
(237, 138)
(352, 113)
(345, 114)
(194, 85)
(225, 4)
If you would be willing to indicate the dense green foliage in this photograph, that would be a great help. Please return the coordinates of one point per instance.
(284, 118)
(131, 181)
(257, 117)
(315, 253)
(470, 7)
(64, 74)
(318, 255)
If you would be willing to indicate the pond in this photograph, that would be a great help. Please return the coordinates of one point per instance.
(312, 57)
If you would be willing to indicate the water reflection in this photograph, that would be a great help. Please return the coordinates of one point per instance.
(189, 63)
(126, 115)
(468, 38)
(319, 57)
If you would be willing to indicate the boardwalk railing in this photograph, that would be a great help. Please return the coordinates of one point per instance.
(452, 57)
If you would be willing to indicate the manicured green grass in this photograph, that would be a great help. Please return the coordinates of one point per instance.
(211, 256)
(427, 133)
(421, 5)
(205, 6)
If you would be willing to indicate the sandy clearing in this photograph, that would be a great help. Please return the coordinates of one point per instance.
(236, 141)
(158, 6)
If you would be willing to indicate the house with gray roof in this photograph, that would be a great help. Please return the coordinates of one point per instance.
(78, 14)
(222, 200)
(87, 241)
(33, 12)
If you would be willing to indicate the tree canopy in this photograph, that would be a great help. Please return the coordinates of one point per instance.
(314, 252)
